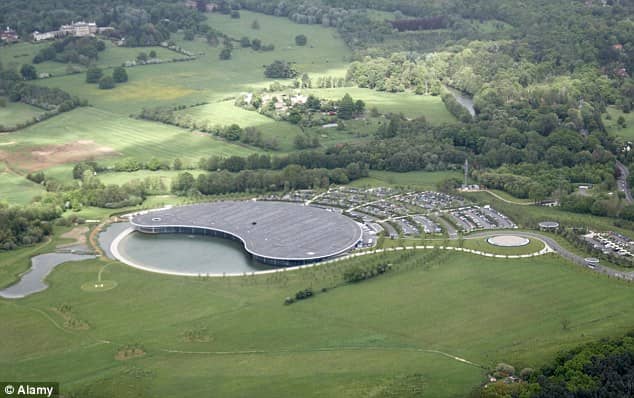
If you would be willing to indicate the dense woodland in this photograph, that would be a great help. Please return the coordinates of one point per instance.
(604, 368)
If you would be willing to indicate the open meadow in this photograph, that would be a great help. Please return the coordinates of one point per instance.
(16, 112)
(614, 128)
(427, 180)
(91, 133)
(393, 334)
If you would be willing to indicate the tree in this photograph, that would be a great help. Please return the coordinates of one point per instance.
(189, 35)
(255, 24)
(313, 103)
(346, 107)
(106, 83)
(280, 69)
(141, 57)
(28, 72)
(620, 121)
(119, 75)
(225, 54)
(245, 42)
(183, 183)
(93, 74)
(256, 44)
(301, 40)
(152, 54)
(359, 107)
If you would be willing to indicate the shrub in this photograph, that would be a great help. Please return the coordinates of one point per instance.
(106, 83)
(301, 40)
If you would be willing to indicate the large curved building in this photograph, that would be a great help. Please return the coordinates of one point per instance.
(276, 233)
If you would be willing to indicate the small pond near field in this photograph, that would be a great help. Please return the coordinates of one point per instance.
(32, 281)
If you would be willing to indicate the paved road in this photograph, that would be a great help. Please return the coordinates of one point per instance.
(565, 253)
(622, 181)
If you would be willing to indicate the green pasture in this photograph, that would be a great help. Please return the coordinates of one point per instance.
(22, 53)
(324, 54)
(17, 112)
(16, 189)
(208, 79)
(165, 176)
(613, 127)
(225, 113)
(413, 179)
(407, 103)
(129, 137)
(384, 336)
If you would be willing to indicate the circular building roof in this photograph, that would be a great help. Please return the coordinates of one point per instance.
(273, 230)
(549, 224)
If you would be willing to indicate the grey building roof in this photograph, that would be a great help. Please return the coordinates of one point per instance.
(275, 230)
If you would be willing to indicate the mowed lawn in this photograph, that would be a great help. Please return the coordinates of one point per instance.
(17, 112)
(409, 104)
(128, 137)
(379, 335)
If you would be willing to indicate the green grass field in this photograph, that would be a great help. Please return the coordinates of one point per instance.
(369, 339)
(413, 179)
(127, 137)
(16, 189)
(16, 112)
(207, 78)
(226, 113)
(409, 104)
(612, 126)
(23, 53)
(324, 54)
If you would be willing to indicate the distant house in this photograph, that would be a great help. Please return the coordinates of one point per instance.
(39, 36)
(299, 99)
(191, 4)
(75, 29)
(9, 35)
(79, 29)
(621, 72)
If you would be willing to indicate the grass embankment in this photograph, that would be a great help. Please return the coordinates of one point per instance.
(348, 342)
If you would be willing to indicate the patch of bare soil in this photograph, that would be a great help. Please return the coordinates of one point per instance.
(43, 157)
(77, 234)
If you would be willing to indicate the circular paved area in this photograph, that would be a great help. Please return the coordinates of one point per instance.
(508, 241)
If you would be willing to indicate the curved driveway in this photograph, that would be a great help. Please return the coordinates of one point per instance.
(565, 253)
